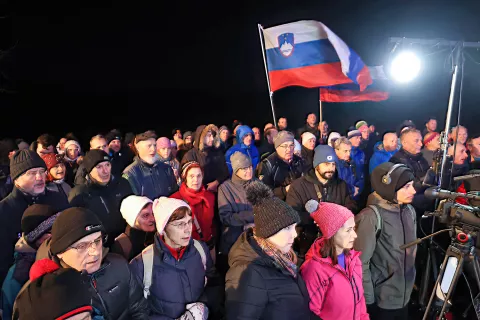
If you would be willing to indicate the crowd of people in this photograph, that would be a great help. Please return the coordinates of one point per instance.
(220, 223)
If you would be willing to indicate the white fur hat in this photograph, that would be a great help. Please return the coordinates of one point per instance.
(70, 143)
(307, 136)
(131, 207)
(163, 209)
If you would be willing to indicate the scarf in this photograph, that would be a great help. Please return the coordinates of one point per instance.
(286, 261)
(193, 197)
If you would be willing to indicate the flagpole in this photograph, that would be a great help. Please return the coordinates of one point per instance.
(270, 93)
(321, 109)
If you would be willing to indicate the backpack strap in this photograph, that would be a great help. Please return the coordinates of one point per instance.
(125, 243)
(202, 253)
(147, 257)
(378, 227)
(317, 191)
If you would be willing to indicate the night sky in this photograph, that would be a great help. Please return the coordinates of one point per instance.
(161, 64)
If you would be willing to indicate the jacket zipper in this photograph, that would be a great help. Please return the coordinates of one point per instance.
(105, 205)
(404, 257)
(94, 286)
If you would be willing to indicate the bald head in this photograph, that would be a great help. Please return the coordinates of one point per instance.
(390, 141)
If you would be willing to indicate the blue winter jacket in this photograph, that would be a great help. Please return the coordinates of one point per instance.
(380, 155)
(250, 151)
(357, 158)
(175, 283)
(347, 172)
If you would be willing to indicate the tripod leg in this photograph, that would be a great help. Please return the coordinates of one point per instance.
(425, 277)
(457, 274)
(437, 283)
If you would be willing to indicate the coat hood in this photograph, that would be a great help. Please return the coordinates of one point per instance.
(376, 199)
(200, 136)
(246, 251)
(242, 131)
(379, 148)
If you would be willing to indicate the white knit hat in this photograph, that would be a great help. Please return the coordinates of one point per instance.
(163, 209)
(131, 207)
(333, 136)
(307, 136)
(72, 142)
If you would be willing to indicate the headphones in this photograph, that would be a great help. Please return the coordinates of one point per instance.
(386, 179)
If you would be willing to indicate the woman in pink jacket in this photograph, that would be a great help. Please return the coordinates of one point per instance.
(332, 271)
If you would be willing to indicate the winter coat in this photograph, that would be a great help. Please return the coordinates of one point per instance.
(202, 203)
(62, 188)
(153, 181)
(428, 155)
(17, 276)
(388, 271)
(306, 128)
(307, 156)
(302, 190)
(6, 183)
(71, 170)
(131, 243)
(116, 293)
(250, 151)
(357, 157)
(235, 211)
(265, 149)
(347, 172)
(277, 174)
(175, 165)
(335, 293)
(11, 212)
(380, 155)
(258, 288)
(176, 283)
(419, 165)
(120, 160)
(211, 159)
(105, 202)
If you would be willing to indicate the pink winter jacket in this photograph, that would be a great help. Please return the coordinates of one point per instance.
(335, 294)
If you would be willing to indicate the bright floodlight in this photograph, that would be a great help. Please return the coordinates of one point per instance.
(405, 66)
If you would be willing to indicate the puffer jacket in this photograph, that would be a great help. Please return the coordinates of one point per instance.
(152, 181)
(380, 155)
(335, 293)
(277, 174)
(116, 293)
(212, 159)
(235, 211)
(357, 157)
(258, 288)
(346, 171)
(62, 188)
(250, 151)
(388, 271)
(176, 283)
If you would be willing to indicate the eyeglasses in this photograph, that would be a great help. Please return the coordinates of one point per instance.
(33, 173)
(182, 225)
(287, 146)
(84, 246)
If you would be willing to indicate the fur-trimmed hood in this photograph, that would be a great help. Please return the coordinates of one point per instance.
(200, 136)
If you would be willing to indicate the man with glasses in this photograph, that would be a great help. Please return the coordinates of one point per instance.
(28, 172)
(282, 167)
(77, 242)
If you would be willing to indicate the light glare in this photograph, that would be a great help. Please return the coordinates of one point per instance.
(405, 67)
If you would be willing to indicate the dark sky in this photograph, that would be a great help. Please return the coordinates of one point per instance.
(162, 64)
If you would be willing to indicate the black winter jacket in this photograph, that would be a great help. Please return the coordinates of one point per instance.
(277, 174)
(256, 288)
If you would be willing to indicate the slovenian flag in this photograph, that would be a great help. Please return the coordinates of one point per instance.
(350, 92)
(309, 54)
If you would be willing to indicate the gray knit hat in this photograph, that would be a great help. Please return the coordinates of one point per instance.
(24, 160)
(239, 161)
(283, 136)
(270, 214)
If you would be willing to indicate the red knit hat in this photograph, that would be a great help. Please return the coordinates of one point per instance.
(51, 160)
(329, 217)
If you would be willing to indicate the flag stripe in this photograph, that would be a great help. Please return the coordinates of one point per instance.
(304, 54)
(331, 95)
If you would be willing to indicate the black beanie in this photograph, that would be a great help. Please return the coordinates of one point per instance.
(36, 221)
(24, 160)
(94, 157)
(113, 135)
(399, 177)
(270, 214)
(53, 293)
(72, 225)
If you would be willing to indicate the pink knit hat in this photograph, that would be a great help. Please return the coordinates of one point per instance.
(163, 142)
(329, 217)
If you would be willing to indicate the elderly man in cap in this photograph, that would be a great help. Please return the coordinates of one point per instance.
(77, 242)
(321, 184)
(28, 172)
(282, 167)
(103, 193)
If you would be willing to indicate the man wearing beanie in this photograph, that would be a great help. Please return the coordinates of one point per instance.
(77, 242)
(28, 172)
(54, 293)
(263, 281)
(102, 193)
(37, 222)
(388, 222)
(321, 184)
(282, 167)
(120, 155)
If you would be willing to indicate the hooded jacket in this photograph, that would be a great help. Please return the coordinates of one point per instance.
(335, 293)
(380, 155)
(257, 288)
(388, 271)
(211, 159)
(250, 151)
(347, 172)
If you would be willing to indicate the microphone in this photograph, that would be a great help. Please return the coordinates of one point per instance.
(437, 193)
(311, 206)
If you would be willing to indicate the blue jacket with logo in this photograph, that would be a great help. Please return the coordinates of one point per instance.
(251, 151)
